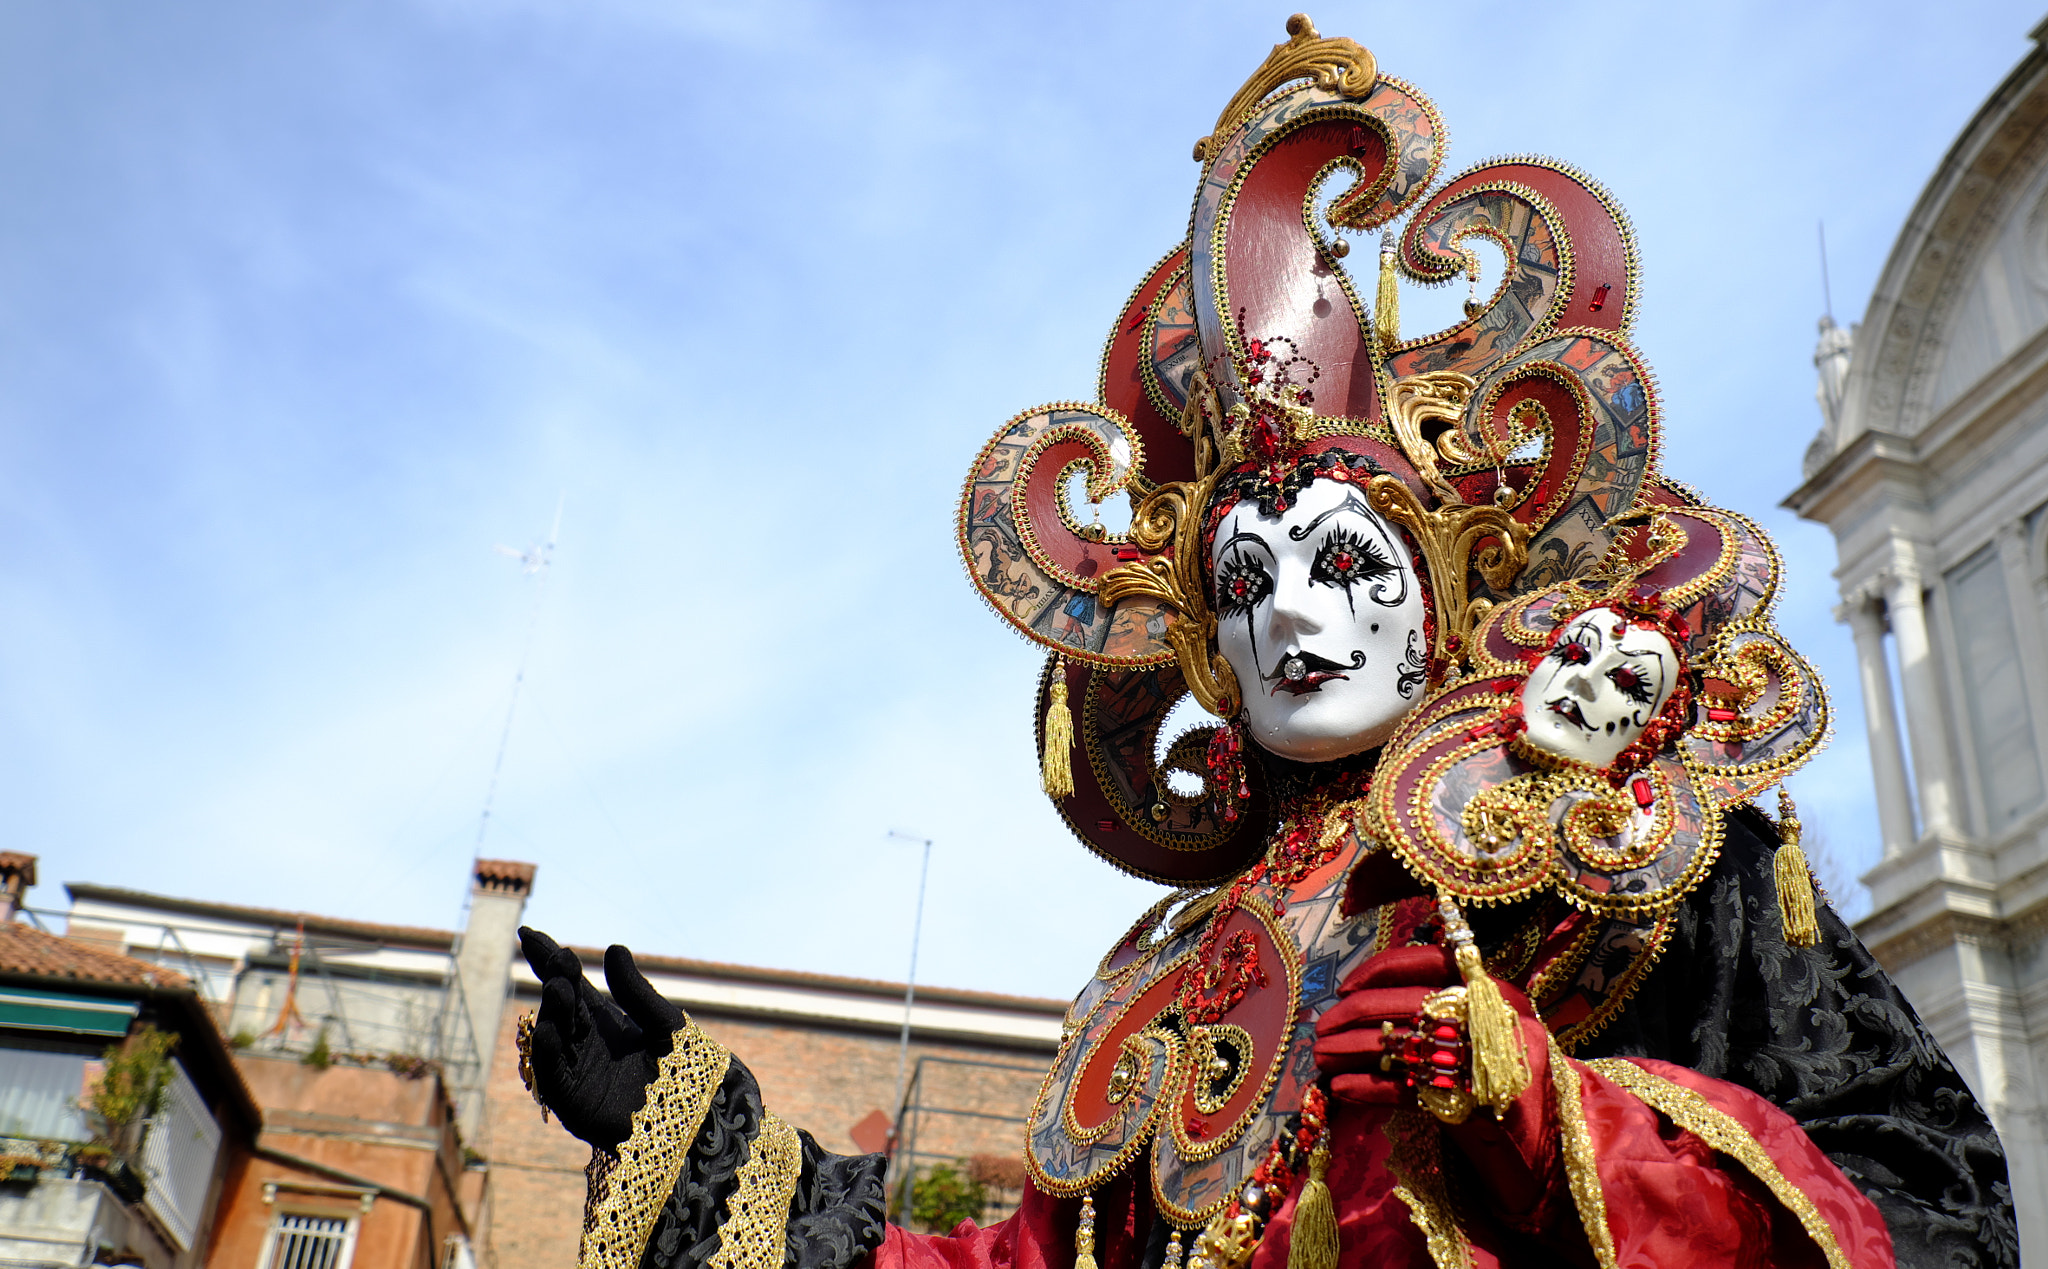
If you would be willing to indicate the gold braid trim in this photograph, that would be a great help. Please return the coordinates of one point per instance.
(1417, 1165)
(1719, 1129)
(756, 1229)
(615, 1232)
(1580, 1171)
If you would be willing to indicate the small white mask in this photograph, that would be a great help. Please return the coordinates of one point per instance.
(1319, 613)
(1593, 693)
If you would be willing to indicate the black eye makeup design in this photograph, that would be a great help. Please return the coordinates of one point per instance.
(1240, 584)
(1348, 559)
(1576, 647)
(1633, 683)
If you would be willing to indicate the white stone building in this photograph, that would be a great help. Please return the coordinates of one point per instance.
(1931, 469)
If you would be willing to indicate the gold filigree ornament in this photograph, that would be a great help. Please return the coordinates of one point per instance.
(1221, 1055)
(524, 1040)
(1337, 65)
(1227, 1243)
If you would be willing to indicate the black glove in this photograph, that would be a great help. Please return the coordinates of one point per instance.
(594, 1058)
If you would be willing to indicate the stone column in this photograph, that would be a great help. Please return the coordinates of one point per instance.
(2027, 631)
(1926, 718)
(1881, 720)
(483, 963)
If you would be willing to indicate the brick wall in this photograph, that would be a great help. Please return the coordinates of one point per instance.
(823, 1080)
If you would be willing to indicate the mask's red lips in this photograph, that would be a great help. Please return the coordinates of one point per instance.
(1300, 673)
(1310, 682)
(1568, 709)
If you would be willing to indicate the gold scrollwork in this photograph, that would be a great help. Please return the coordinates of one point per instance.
(1455, 538)
(1222, 1054)
(1336, 65)
(1438, 396)
(1123, 1077)
(1497, 817)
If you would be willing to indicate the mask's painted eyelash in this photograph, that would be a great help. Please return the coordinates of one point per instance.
(1241, 584)
(1571, 651)
(1346, 559)
(1632, 683)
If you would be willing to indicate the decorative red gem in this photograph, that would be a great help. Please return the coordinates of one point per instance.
(1600, 298)
(1640, 786)
(1721, 715)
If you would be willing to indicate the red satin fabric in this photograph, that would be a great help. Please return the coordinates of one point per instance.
(1671, 1199)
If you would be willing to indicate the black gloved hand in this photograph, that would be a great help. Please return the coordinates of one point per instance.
(593, 1058)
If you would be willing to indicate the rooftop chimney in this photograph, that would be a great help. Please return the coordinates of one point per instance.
(483, 963)
(17, 874)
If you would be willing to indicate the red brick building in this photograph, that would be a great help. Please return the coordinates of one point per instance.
(416, 1145)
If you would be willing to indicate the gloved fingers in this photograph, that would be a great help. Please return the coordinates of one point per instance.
(540, 951)
(1424, 965)
(1366, 1090)
(553, 1041)
(634, 994)
(1351, 1054)
(1367, 1009)
(562, 1012)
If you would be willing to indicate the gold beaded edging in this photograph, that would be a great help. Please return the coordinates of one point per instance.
(755, 1232)
(1687, 1109)
(1582, 1173)
(1417, 1164)
(651, 1158)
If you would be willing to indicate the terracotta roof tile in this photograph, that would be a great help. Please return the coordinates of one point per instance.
(25, 950)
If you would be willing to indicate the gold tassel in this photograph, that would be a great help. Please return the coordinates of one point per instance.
(1084, 1235)
(1795, 880)
(1386, 307)
(1056, 768)
(1500, 1070)
(1314, 1241)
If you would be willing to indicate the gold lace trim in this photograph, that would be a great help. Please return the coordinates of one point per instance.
(1698, 1116)
(651, 1159)
(756, 1229)
(1417, 1165)
(1580, 1171)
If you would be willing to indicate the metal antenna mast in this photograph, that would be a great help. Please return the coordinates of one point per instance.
(533, 562)
(910, 987)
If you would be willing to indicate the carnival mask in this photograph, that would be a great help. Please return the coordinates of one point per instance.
(1319, 613)
(1598, 687)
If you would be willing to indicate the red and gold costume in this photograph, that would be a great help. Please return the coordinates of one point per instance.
(1451, 1002)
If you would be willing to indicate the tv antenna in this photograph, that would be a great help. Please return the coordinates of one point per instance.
(534, 562)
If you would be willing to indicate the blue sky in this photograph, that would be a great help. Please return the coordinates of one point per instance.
(306, 308)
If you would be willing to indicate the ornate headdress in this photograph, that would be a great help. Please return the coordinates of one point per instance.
(1517, 449)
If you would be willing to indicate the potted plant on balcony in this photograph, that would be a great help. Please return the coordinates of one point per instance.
(134, 1079)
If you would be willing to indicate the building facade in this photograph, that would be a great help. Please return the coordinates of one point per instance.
(1931, 470)
(390, 1132)
(88, 1176)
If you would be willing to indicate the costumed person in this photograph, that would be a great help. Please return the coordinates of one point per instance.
(1479, 951)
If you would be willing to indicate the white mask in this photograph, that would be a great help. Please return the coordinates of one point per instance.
(1593, 693)
(1319, 612)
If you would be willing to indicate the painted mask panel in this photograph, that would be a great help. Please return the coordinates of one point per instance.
(1319, 612)
(1598, 687)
